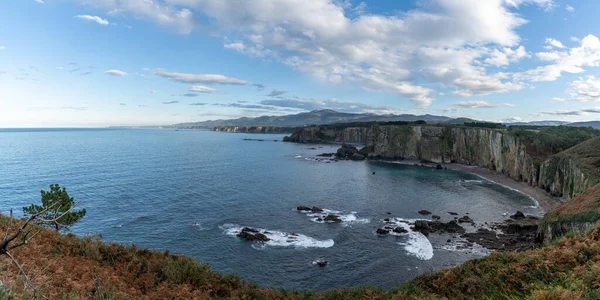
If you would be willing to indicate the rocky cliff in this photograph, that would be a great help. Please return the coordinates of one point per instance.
(255, 129)
(482, 147)
(329, 134)
(573, 171)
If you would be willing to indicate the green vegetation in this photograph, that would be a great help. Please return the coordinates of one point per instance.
(545, 141)
(57, 208)
(484, 125)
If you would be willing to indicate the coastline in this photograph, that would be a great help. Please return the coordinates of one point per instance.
(546, 201)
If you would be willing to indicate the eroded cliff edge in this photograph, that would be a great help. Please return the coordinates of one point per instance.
(562, 175)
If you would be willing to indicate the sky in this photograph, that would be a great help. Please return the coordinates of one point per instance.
(96, 63)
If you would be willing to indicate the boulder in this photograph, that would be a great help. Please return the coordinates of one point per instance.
(303, 208)
(519, 215)
(436, 217)
(253, 237)
(382, 231)
(321, 263)
(249, 229)
(346, 151)
(465, 219)
(421, 224)
(424, 212)
(400, 230)
(439, 167)
(316, 209)
(452, 213)
(332, 219)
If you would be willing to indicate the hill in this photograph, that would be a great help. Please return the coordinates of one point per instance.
(68, 267)
(593, 124)
(316, 117)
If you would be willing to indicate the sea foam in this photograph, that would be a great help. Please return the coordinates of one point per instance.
(280, 238)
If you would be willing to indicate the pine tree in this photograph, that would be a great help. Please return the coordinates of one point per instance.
(57, 208)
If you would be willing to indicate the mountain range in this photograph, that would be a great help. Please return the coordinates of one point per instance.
(327, 116)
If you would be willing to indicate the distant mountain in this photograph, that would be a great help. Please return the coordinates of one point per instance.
(593, 124)
(537, 123)
(315, 117)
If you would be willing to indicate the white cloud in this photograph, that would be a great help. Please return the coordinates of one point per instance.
(480, 104)
(504, 57)
(39, 1)
(447, 42)
(570, 8)
(587, 54)
(202, 89)
(115, 73)
(201, 78)
(180, 19)
(565, 113)
(557, 99)
(309, 105)
(2, 47)
(555, 43)
(585, 89)
(93, 19)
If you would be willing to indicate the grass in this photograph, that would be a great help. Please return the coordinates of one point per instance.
(68, 267)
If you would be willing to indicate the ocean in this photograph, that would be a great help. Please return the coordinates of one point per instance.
(191, 191)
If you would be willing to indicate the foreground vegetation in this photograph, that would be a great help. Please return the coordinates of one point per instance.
(66, 267)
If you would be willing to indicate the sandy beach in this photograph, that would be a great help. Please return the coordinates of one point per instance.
(547, 202)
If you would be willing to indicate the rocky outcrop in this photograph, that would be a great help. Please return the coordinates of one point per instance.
(563, 177)
(329, 134)
(255, 129)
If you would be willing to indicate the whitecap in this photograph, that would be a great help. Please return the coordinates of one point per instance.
(346, 218)
(418, 245)
(280, 238)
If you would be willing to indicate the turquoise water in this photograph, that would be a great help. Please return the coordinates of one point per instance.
(188, 191)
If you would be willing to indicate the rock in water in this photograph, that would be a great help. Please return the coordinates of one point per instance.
(452, 213)
(382, 231)
(439, 167)
(400, 230)
(332, 219)
(465, 219)
(321, 263)
(519, 215)
(347, 152)
(424, 212)
(253, 237)
(436, 217)
(248, 229)
(303, 208)
(316, 209)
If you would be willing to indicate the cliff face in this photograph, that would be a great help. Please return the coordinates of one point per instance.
(472, 146)
(329, 134)
(563, 177)
(255, 129)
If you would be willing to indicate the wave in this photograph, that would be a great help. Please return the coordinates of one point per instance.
(346, 218)
(417, 244)
(280, 238)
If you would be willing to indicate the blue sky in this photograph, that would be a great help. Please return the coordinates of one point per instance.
(90, 63)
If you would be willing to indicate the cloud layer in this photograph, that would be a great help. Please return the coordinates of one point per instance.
(95, 19)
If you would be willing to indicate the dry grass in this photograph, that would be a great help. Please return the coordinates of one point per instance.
(68, 267)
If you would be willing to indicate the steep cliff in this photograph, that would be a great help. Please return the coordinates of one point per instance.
(329, 134)
(573, 171)
(482, 147)
(255, 129)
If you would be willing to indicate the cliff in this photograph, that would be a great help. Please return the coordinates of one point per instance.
(329, 134)
(572, 171)
(255, 129)
(482, 147)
